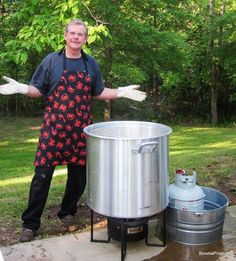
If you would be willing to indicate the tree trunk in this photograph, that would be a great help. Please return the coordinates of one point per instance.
(214, 95)
(214, 71)
(108, 83)
(7, 107)
(154, 85)
(2, 7)
(154, 76)
(107, 110)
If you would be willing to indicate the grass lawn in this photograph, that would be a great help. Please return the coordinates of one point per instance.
(210, 150)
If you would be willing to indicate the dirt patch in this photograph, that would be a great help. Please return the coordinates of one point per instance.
(8, 236)
(51, 226)
(228, 186)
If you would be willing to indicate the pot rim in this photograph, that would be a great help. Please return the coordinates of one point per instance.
(95, 126)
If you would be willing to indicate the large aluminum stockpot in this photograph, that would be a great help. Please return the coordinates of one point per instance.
(127, 168)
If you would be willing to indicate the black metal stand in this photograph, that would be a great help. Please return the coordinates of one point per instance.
(163, 226)
(91, 234)
(124, 225)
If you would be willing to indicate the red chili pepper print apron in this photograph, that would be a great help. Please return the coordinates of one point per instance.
(68, 111)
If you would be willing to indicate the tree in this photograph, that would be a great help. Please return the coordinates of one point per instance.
(141, 48)
(179, 51)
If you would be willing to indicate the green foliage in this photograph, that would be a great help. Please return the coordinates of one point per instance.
(122, 72)
(175, 42)
(41, 27)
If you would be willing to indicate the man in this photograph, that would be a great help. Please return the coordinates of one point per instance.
(68, 79)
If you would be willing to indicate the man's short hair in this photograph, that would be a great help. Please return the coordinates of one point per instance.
(76, 22)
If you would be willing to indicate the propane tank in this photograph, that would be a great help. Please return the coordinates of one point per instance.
(184, 193)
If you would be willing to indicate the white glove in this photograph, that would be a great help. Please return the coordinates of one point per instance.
(13, 87)
(130, 92)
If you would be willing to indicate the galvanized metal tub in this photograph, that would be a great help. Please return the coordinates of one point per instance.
(127, 168)
(199, 228)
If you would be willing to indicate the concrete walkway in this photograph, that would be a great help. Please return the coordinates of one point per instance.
(77, 246)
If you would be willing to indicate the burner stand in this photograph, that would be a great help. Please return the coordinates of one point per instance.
(123, 225)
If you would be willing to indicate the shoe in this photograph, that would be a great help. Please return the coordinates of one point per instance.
(26, 235)
(69, 223)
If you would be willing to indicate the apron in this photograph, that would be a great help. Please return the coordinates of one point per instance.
(67, 112)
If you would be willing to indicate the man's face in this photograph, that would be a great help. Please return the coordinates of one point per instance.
(75, 37)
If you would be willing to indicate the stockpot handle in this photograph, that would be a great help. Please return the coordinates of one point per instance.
(154, 147)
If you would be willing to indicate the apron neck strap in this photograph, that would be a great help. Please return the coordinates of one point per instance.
(85, 59)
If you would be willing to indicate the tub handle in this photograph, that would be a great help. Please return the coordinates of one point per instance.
(199, 213)
(153, 147)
